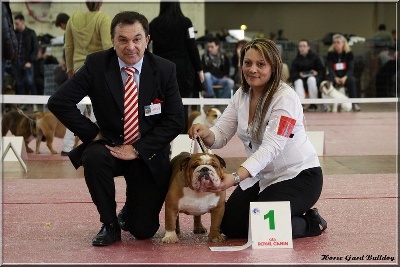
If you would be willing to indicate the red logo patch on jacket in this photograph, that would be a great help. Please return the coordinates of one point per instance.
(286, 126)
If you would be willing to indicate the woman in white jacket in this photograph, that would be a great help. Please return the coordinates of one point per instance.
(281, 164)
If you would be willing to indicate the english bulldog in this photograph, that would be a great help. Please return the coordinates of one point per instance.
(328, 91)
(207, 117)
(190, 173)
(20, 124)
(48, 127)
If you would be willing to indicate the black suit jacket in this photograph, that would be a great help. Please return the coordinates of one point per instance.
(100, 79)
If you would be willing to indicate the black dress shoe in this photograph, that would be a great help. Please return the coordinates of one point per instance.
(121, 219)
(313, 213)
(109, 233)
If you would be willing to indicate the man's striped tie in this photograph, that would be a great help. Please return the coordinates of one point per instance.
(131, 121)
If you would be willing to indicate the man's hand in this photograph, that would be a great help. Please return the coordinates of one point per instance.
(124, 152)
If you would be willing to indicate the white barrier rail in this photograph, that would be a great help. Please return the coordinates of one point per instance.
(40, 99)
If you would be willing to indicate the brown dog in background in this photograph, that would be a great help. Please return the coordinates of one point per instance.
(42, 126)
(48, 126)
(19, 124)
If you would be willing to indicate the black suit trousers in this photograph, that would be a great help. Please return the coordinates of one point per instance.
(144, 199)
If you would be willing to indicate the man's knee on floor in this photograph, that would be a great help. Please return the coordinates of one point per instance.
(143, 231)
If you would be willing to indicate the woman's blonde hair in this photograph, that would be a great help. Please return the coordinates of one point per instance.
(346, 46)
(271, 54)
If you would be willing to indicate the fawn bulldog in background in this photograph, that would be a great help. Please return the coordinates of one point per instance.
(42, 126)
(20, 124)
(208, 117)
(185, 195)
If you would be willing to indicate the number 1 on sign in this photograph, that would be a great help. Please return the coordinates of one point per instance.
(271, 216)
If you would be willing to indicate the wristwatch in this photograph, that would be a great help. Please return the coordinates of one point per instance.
(236, 178)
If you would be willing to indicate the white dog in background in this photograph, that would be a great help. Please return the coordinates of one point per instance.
(328, 91)
(207, 117)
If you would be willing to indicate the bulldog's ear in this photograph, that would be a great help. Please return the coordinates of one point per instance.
(221, 161)
(184, 163)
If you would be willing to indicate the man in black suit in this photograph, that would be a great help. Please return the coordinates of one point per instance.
(145, 163)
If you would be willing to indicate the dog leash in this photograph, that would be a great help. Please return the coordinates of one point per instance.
(201, 144)
(21, 112)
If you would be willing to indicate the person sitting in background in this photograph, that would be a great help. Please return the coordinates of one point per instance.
(216, 68)
(340, 64)
(306, 72)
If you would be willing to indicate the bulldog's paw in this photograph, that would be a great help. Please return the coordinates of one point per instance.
(216, 237)
(170, 237)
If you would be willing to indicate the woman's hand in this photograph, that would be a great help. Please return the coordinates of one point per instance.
(227, 182)
(124, 152)
(198, 130)
(343, 80)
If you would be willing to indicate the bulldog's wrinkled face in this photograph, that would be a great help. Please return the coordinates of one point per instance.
(203, 170)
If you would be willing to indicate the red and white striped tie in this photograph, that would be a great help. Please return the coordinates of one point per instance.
(131, 121)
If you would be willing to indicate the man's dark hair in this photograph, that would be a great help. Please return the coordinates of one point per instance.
(129, 18)
(20, 17)
(214, 40)
(61, 18)
(382, 27)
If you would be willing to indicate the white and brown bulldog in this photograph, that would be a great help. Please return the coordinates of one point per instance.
(190, 175)
(329, 91)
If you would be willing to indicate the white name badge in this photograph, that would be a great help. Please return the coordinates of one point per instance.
(152, 109)
(340, 66)
(191, 33)
(270, 226)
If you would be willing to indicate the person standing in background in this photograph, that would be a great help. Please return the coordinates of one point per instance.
(173, 38)
(9, 39)
(86, 32)
(23, 69)
(60, 73)
(61, 22)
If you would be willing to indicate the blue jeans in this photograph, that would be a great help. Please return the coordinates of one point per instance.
(210, 80)
(24, 79)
